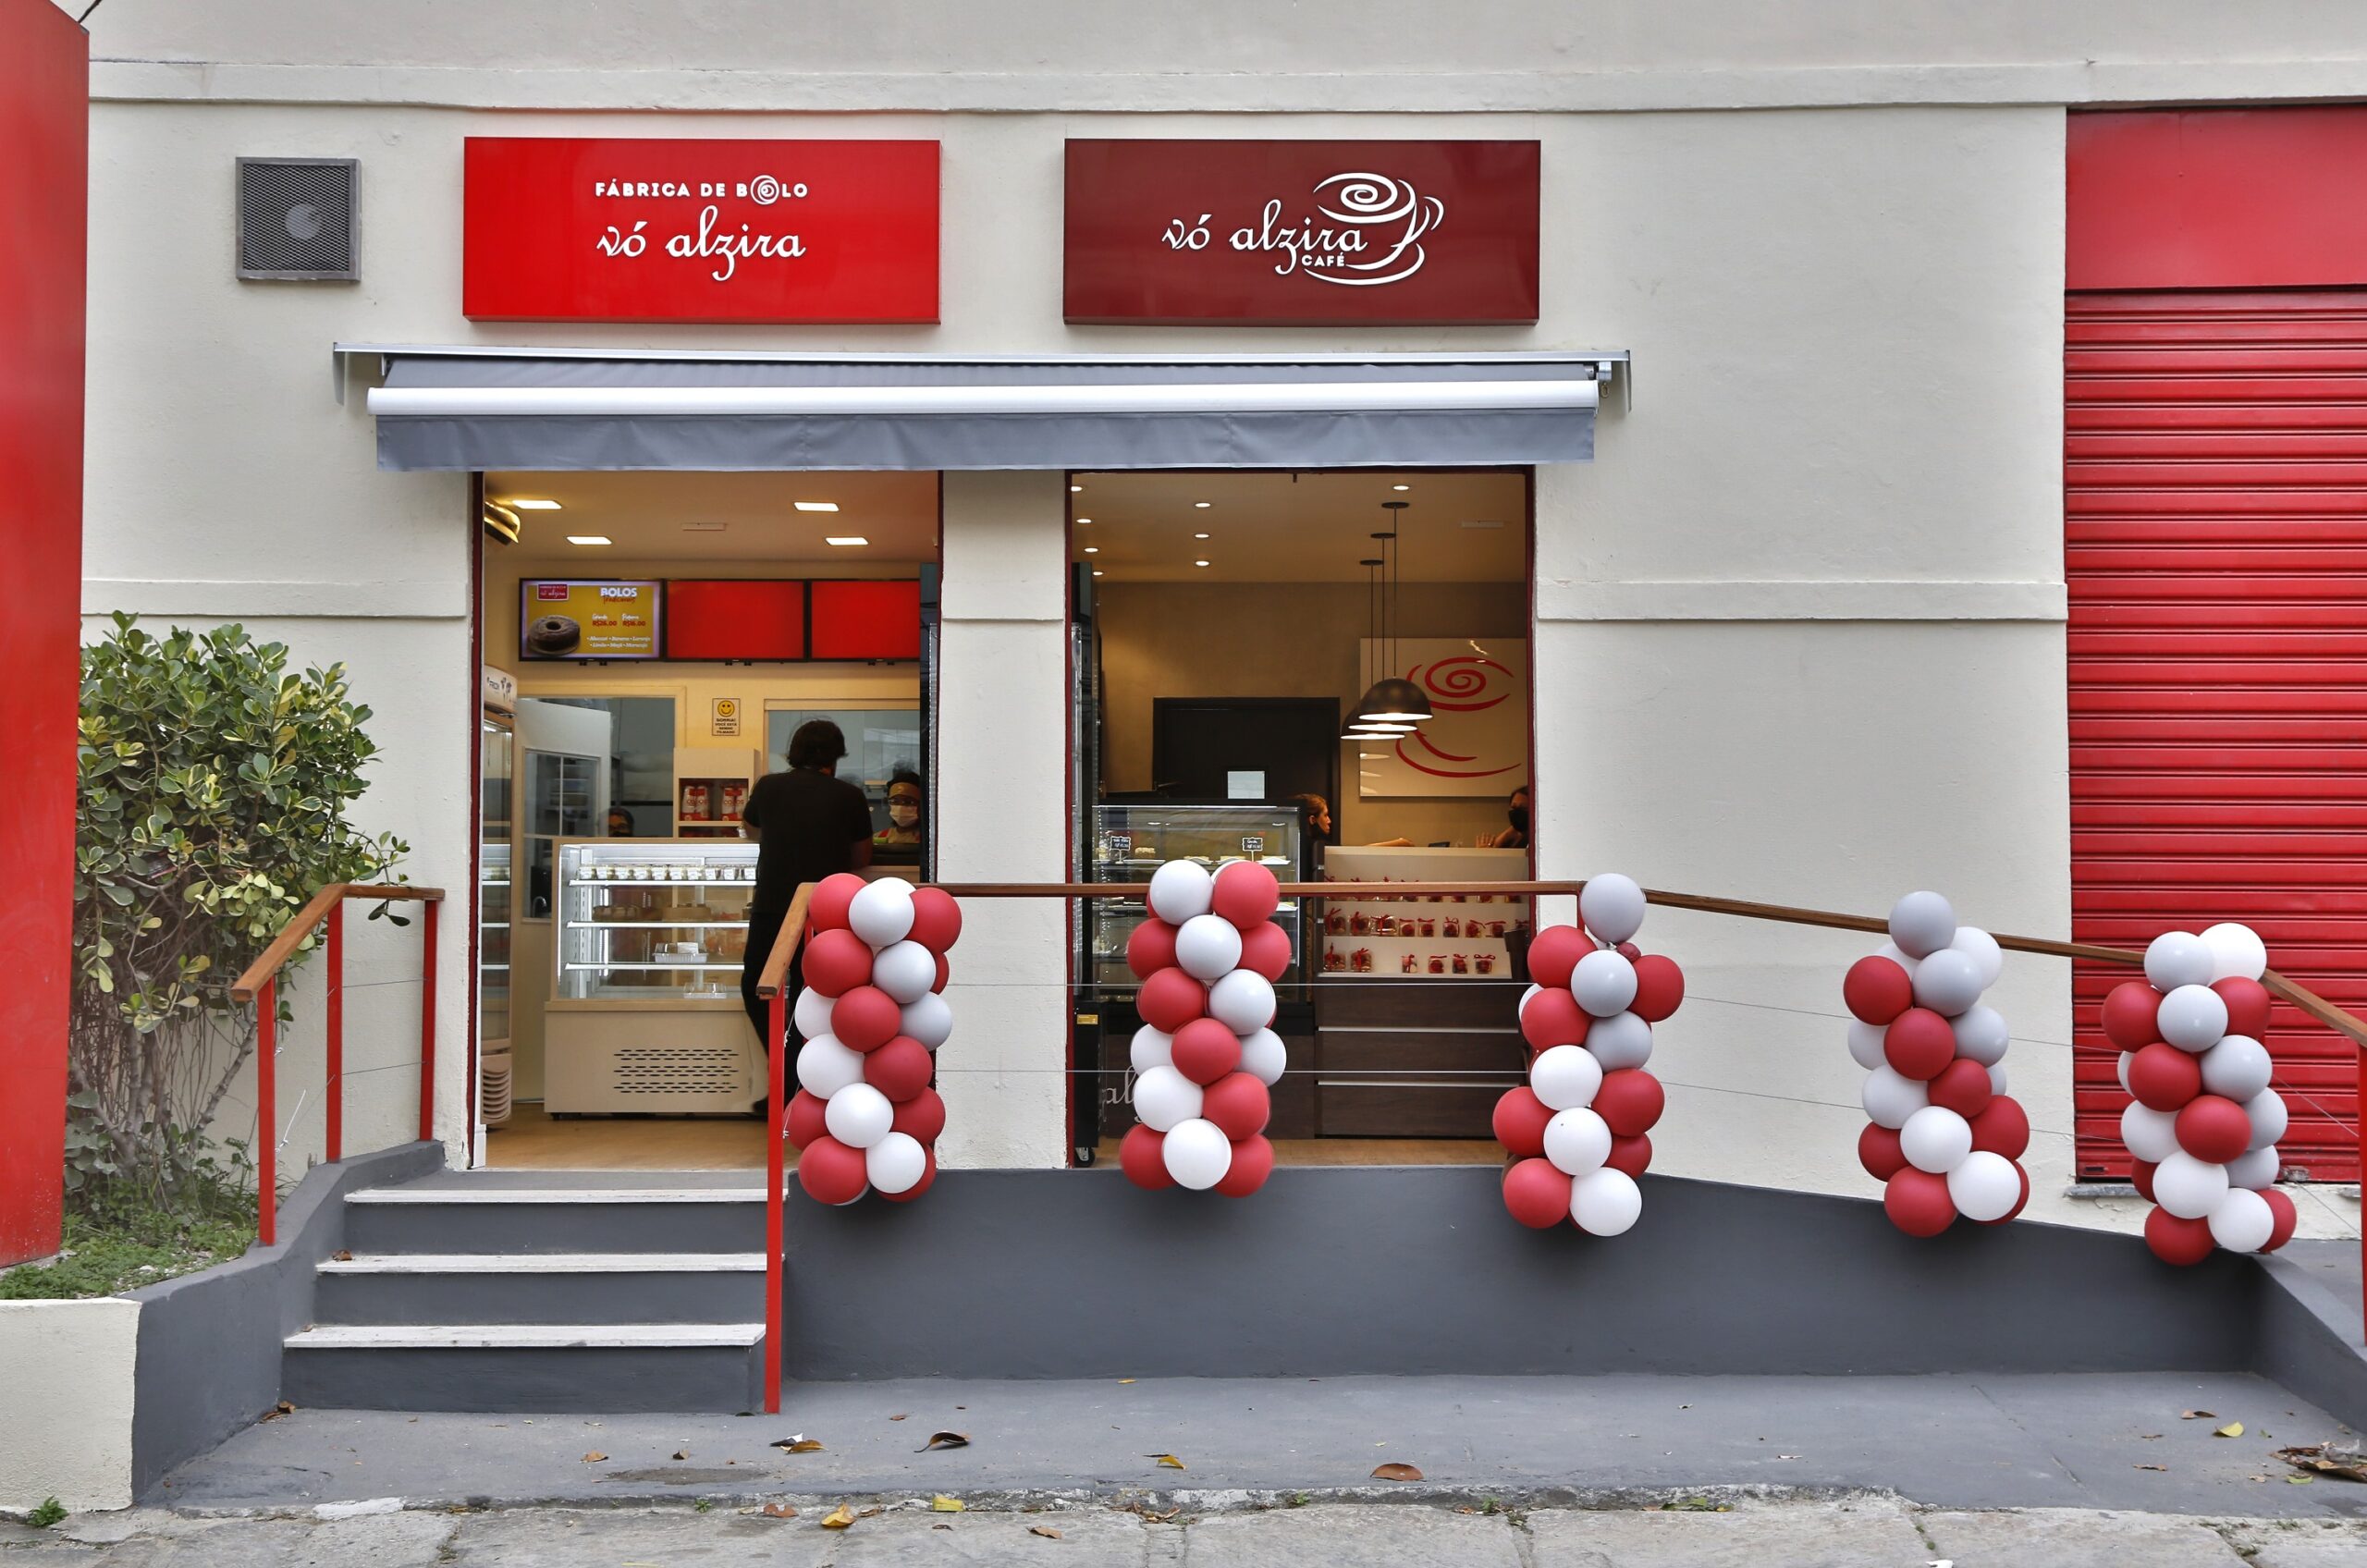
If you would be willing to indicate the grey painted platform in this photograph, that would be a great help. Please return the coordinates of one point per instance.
(1960, 1442)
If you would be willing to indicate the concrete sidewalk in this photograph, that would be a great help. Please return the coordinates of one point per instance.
(2104, 1441)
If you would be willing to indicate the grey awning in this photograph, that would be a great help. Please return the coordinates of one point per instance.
(461, 409)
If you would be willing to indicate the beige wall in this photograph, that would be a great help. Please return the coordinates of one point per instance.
(1283, 639)
(65, 1403)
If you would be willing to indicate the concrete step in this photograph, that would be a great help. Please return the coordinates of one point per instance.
(540, 1288)
(542, 1366)
(471, 1217)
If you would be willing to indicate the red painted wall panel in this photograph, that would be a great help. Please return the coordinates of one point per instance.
(44, 143)
(866, 620)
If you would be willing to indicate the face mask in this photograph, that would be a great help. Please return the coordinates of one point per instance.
(903, 816)
(1518, 816)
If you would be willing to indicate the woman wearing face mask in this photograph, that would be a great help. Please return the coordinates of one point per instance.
(904, 797)
(1516, 813)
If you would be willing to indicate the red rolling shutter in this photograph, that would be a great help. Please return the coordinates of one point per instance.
(2216, 548)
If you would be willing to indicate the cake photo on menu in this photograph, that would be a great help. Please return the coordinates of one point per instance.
(553, 636)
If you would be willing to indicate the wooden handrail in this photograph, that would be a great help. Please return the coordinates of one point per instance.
(793, 932)
(291, 936)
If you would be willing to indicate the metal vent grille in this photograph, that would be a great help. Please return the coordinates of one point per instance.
(296, 218)
(677, 1070)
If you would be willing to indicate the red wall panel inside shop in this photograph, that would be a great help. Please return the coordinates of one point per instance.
(866, 620)
(44, 117)
(735, 619)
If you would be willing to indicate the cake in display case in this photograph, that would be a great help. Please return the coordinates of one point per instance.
(1130, 843)
(1422, 937)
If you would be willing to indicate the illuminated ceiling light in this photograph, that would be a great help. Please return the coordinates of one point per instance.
(589, 539)
(845, 539)
(1199, 563)
(1401, 487)
(1075, 489)
(524, 504)
(1093, 549)
(1199, 536)
(1204, 504)
(815, 506)
(1083, 522)
(1096, 571)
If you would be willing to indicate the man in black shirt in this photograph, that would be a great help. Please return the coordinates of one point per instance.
(808, 823)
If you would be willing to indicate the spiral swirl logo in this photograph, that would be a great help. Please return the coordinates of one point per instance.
(764, 190)
(1365, 198)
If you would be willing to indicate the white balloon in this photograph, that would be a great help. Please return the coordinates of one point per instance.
(2151, 1135)
(1181, 890)
(1620, 1040)
(1209, 947)
(1986, 1186)
(895, 1163)
(2256, 1168)
(1865, 1043)
(1243, 1001)
(2268, 1116)
(2238, 1067)
(1936, 1139)
(2243, 1221)
(1165, 1099)
(1889, 1096)
(810, 1016)
(1150, 1048)
(1605, 1202)
(1922, 923)
(2193, 1018)
(2176, 959)
(1996, 1077)
(2188, 1187)
(1578, 1141)
(1611, 906)
(2237, 951)
(2122, 1072)
(928, 1019)
(859, 1116)
(1982, 948)
(1980, 1034)
(1948, 982)
(1900, 957)
(823, 1066)
(1198, 1154)
(905, 970)
(1264, 1054)
(881, 913)
(1566, 1077)
(1604, 983)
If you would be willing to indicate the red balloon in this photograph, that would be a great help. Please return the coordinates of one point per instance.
(928, 1179)
(1917, 1201)
(1253, 1161)
(1170, 999)
(2132, 1013)
(1630, 1100)
(805, 1122)
(865, 1018)
(1150, 948)
(2164, 1077)
(937, 919)
(827, 910)
(1918, 1042)
(1239, 1105)
(1879, 1152)
(2019, 1204)
(2246, 1005)
(830, 1171)
(922, 1117)
(1266, 950)
(2286, 1217)
(1244, 892)
(1141, 1155)
(2214, 1129)
(2181, 1242)
(1553, 1018)
(1520, 1122)
(1962, 1086)
(1554, 955)
(900, 1069)
(1538, 1195)
(1660, 987)
(1205, 1051)
(2141, 1176)
(2003, 1128)
(836, 962)
(1876, 989)
(1628, 950)
(1632, 1154)
(944, 972)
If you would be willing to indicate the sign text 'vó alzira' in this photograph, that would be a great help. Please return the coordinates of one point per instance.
(1303, 233)
(614, 229)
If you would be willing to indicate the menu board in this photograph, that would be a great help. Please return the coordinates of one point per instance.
(589, 620)
(734, 618)
(866, 620)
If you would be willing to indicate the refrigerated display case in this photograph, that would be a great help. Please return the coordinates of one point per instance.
(495, 1077)
(1444, 938)
(1132, 842)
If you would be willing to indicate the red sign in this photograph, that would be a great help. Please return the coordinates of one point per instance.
(740, 619)
(568, 229)
(1304, 233)
(866, 620)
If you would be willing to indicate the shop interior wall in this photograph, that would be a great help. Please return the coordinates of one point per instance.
(1285, 639)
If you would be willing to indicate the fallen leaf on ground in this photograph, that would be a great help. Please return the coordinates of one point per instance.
(797, 1443)
(1396, 1473)
(777, 1511)
(2298, 1480)
(899, 1417)
(871, 1513)
(2149, 1437)
(944, 1439)
(1045, 1531)
(2153, 1467)
(682, 1453)
(940, 1526)
(594, 1457)
(941, 1503)
(1167, 1459)
(2196, 1414)
(839, 1518)
(2232, 1430)
(2348, 1465)
(1126, 1380)
(343, 1255)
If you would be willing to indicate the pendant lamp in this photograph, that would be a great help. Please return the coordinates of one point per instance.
(1392, 700)
(1361, 726)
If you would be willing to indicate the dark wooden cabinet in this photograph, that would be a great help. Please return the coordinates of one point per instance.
(1395, 1060)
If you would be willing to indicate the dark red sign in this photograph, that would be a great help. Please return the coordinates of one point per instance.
(866, 620)
(737, 619)
(1304, 233)
(566, 228)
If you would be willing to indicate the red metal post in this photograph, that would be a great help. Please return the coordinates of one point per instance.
(2358, 1130)
(267, 1113)
(335, 1105)
(776, 1119)
(427, 1024)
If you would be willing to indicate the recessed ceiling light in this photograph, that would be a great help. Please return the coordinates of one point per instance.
(845, 539)
(1199, 563)
(589, 539)
(1204, 504)
(1401, 487)
(1199, 536)
(1076, 488)
(1096, 571)
(532, 506)
(1093, 549)
(1081, 521)
(815, 506)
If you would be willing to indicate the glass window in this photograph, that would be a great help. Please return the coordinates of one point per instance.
(641, 779)
(881, 741)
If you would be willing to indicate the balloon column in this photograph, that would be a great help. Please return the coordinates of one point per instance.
(865, 1116)
(1577, 1130)
(1943, 1135)
(2202, 1122)
(1207, 956)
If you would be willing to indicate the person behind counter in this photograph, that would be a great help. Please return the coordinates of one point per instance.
(904, 805)
(808, 824)
(1516, 813)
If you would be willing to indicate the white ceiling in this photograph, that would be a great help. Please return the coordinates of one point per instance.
(1268, 527)
(647, 514)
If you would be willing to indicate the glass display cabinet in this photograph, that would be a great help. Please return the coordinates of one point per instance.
(1132, 842)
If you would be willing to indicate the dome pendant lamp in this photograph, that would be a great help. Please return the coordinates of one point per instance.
(1392, 700)
(1360, 727)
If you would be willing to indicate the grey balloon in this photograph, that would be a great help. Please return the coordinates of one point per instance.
(1922, 923)
(1620, 1040)
(2236, 1067)
(1982, 1034)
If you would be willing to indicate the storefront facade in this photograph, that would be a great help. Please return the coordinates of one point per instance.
(1796, 630)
